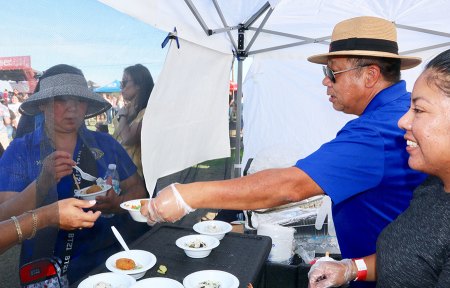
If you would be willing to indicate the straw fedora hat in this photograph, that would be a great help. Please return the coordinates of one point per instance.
(365, 36)
(65, 85)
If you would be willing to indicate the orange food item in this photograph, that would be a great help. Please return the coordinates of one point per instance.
(125, 264)
(93, 189)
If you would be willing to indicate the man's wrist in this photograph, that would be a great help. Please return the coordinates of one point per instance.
(361, 269)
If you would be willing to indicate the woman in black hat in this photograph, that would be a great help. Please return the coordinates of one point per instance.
(42, 161)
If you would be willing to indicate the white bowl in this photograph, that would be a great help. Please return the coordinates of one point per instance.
(158, 282)
(82, 192)
(201, 252)
(213, 228)
(116, 280)
(225, 279)
(134, 207)
(144, 261)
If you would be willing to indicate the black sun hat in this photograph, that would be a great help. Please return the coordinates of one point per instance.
(65, 84)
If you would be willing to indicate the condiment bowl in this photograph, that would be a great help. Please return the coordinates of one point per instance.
(144, 261)
(197, 246)
(134, 207)
(213, 228)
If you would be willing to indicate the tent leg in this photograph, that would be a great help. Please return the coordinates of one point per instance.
(236, 171)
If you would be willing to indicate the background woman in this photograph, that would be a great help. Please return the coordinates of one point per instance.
(137, 85)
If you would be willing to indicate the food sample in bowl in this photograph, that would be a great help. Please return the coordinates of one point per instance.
(197, 246)
(211, 279)
(93, 189)
(102, 284)
(107, 280)
(209, 284)
(134, 208)
(197, 243)
(213, 228)
(157, 282)
(125, 264)
(89, 193)
(143, 260)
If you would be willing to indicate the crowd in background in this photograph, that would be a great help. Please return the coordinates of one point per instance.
(10, 102)
(9, 114)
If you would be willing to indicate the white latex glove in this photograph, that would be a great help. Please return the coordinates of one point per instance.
(168, 206)
(331, 273)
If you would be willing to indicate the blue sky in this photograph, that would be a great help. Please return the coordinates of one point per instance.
(84, 33)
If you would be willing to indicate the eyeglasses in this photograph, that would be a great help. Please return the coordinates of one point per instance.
(332, 75)
(124, 83)
(68, 98)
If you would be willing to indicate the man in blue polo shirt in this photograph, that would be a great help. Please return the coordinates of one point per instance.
(364, 169)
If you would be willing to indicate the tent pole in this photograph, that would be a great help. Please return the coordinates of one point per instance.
(236, 172)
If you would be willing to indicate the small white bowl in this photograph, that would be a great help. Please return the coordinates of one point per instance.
(134, 207)
(157, 282)
(116, 280)
(82, 192)
(144, 261)
(201, 252)
(213, 228)
(225, 279)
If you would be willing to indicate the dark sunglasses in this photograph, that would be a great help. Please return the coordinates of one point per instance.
(124, 83)
(332, 74)
(66, 98)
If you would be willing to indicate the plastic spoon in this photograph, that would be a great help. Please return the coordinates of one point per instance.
(120, 238)
(84, 175)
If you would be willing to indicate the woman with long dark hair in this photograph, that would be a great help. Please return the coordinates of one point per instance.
(137, 85)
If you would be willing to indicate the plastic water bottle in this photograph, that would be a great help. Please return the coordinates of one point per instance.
(112, 178)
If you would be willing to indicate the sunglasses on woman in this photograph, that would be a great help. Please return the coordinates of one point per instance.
(124, 83)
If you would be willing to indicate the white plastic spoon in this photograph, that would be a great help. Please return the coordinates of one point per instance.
(84, 175)
(120, 238)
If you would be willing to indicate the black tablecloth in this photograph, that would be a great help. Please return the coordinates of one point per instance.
(242, 255)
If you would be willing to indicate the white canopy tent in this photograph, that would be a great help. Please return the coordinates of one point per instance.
(285, 103)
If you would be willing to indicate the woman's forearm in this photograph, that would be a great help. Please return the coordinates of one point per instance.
(17, 229)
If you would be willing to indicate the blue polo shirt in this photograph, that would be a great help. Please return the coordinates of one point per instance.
(21, 164)
(365, 172)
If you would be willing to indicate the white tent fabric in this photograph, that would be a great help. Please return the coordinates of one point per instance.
(179, 119)
(289, 112)
(284, 101)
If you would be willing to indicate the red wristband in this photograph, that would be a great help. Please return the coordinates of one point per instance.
(362, 269)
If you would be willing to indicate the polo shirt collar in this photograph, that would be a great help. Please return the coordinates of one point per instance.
(387, 95)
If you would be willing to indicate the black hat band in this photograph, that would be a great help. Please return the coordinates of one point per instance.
(368, 44)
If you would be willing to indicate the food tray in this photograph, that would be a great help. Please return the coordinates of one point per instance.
(242, 255)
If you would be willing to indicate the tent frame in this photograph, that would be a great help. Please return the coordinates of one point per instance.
(241, 53)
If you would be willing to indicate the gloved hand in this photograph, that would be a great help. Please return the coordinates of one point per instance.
(333, 273)
(168, 206)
